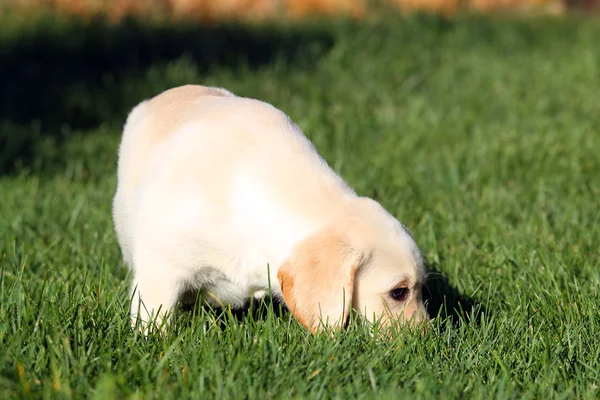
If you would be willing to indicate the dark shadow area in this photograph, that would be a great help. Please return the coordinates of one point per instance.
(445, 301)
(261, 307)
(442, 300)
(254, 309)
(56, 77)
(583, 6)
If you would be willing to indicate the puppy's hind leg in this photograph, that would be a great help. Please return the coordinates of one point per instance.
(154, 293)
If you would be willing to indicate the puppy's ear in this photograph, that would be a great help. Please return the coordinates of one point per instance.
(317, 280)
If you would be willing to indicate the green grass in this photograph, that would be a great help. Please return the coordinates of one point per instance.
(483, 136)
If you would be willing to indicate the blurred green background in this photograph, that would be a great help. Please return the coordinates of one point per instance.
(480, 132)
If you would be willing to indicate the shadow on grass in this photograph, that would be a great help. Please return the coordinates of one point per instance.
(57, 77)
(260, 308)
(445, 301)
(441, 298)
(254, 309)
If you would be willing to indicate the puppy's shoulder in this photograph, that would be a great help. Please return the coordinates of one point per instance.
(183, 96)
(174, 103)
(158, 117)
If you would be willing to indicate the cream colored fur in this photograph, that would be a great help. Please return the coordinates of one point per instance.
(215, 190)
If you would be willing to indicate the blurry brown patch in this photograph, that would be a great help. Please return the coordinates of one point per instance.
(305, 8)
(262, 10)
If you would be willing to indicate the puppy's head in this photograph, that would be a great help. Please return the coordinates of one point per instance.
(362, 259)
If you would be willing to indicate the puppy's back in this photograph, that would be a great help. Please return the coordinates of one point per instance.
(148, 124)
(225, 129)
(206, 141)
(155, 120)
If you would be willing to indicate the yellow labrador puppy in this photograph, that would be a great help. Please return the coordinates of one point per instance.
(215, 191)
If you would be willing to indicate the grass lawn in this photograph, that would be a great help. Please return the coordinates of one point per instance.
(481, 135)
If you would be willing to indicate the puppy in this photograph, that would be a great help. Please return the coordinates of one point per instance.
(225, 195)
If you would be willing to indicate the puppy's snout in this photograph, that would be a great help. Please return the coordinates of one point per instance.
(422, 321)
(419, 319)
(420, 315)
(414, 313)
(414, 316)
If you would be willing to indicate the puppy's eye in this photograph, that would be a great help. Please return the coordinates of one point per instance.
(399, 294)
